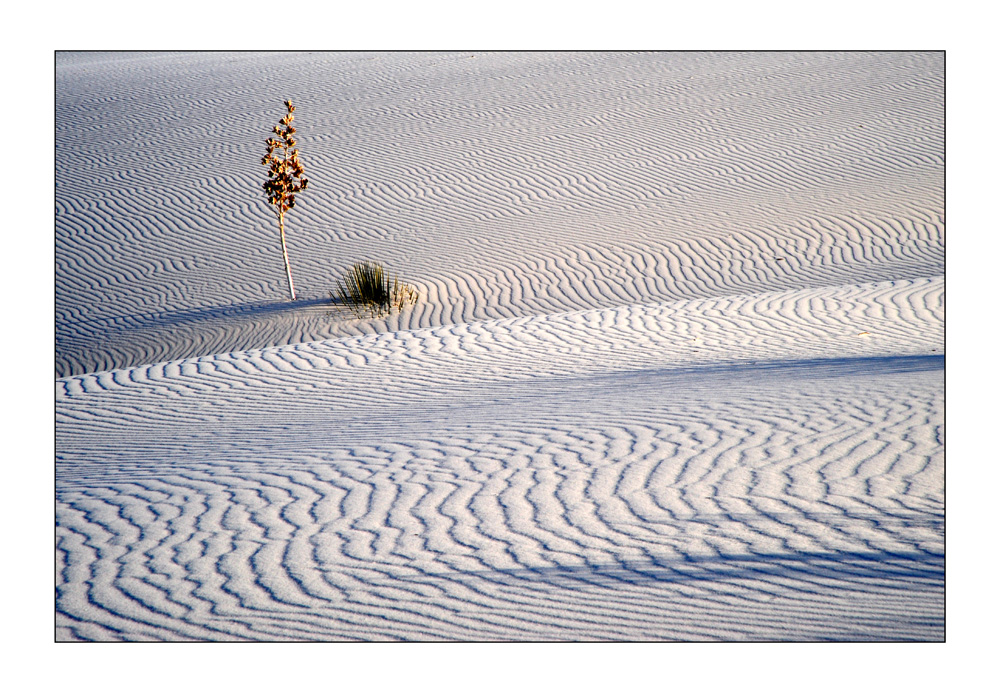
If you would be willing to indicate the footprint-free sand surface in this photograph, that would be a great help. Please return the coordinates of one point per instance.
(676, 370)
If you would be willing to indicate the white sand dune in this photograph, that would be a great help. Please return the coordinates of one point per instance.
(676, 371)
(501, 186)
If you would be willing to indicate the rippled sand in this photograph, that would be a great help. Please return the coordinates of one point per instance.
(676, 370)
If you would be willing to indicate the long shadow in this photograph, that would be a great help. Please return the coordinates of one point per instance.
(830, 596)
(167, 318)
(900, 570)
(632, 386)
(825, 367)
(817, 367)
(758, 369)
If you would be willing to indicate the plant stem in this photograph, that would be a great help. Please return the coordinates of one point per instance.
(284, 253)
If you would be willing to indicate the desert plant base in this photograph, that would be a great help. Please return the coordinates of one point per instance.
(366, 289)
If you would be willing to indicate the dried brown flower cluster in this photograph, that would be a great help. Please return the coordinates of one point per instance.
(284, 166)
(285, 180)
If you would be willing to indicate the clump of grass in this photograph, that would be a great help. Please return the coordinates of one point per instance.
(367, 289)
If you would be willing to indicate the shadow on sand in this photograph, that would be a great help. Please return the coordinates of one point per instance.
(177, 317)
(909, 569)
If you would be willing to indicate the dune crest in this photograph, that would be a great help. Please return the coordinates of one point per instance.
(509, 185)
(697, 470)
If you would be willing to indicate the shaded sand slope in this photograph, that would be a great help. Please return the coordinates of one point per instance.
(764, 466)
(501, 185)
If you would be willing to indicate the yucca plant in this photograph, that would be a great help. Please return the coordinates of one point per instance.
(284, 167)
(366, 288)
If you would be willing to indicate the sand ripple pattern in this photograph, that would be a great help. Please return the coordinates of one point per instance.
(501, 185)
(757, 467)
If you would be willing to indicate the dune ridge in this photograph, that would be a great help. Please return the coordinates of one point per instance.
(500, 186)
(456, 482)
(676, 371)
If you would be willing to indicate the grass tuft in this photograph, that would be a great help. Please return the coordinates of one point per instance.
(366, 288)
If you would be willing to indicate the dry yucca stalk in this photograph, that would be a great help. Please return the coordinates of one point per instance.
(285, 179)
(366, 288)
